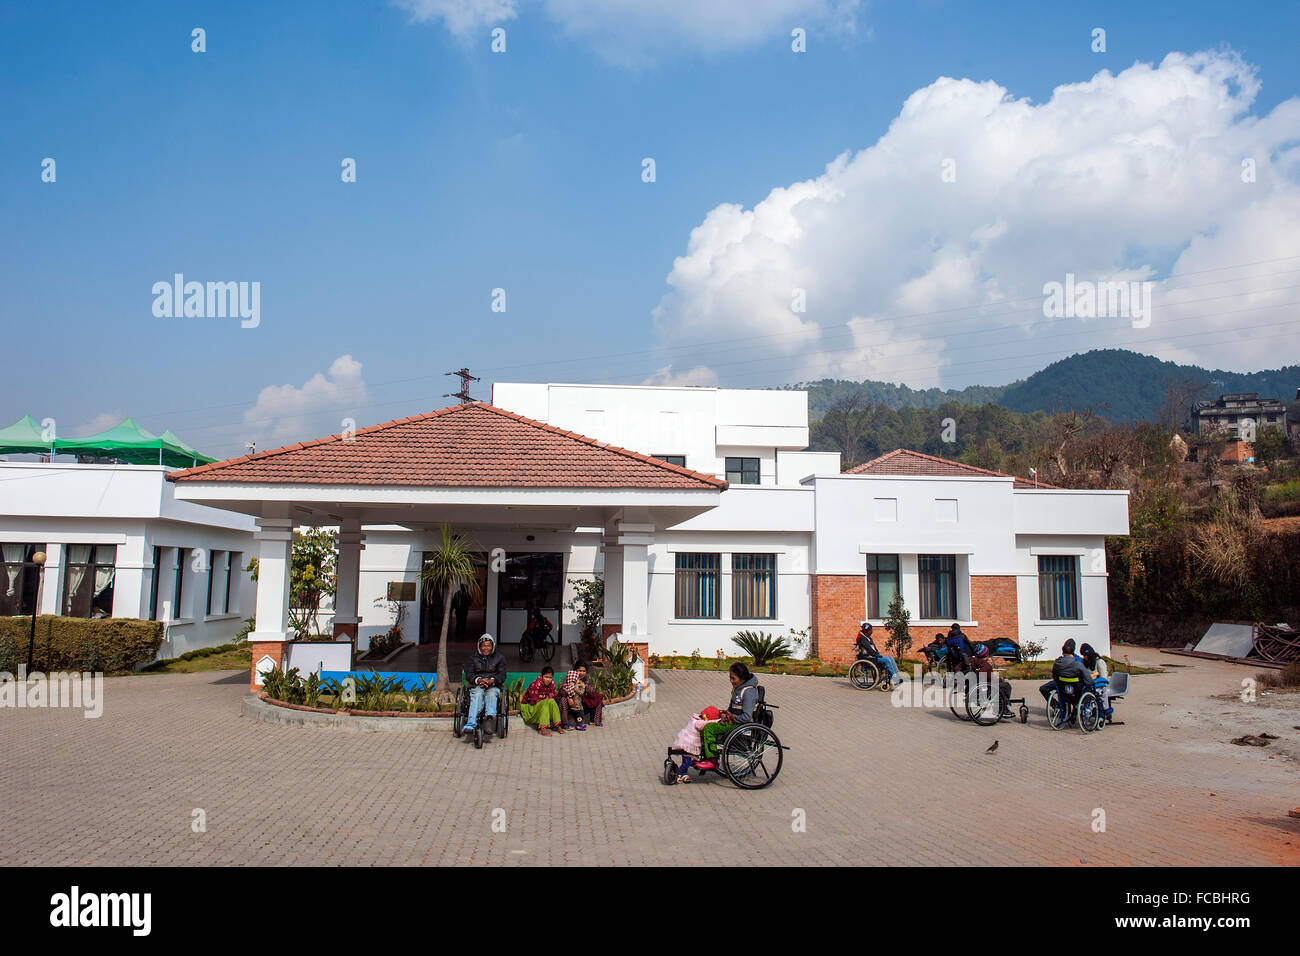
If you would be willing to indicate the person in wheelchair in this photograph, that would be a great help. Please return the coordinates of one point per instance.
(866, 651)
(1101, 678)
(959, 646)
(983, 665)
(486, 675)
(744, 698)
(1069, 667)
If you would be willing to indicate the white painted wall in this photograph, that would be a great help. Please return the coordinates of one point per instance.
(704, 424)
(132, 507)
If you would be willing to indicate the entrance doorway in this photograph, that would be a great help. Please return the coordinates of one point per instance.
(468, 609)
(530, 579)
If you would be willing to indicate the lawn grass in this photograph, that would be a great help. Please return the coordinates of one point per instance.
(812, 667)
(225, 657)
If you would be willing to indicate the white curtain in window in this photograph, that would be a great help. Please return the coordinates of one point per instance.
(78, 558)
(13, 555)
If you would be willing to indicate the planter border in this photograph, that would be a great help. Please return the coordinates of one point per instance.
(267, 710)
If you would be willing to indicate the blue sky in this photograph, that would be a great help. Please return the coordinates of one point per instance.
(522, 171)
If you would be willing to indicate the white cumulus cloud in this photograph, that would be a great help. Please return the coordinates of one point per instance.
(284, 414)
(923, 256)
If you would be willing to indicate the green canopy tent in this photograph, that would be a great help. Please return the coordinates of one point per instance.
(23, 437)
(184, 450)
(130, 443)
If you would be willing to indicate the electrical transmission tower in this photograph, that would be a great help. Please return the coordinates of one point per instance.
(465, 378)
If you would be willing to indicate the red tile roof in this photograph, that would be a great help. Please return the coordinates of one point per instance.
(904, 461)
(469, 445)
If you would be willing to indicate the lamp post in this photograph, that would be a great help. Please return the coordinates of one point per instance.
(38, 559)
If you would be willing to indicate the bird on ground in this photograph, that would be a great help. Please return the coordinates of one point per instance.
(993, 749)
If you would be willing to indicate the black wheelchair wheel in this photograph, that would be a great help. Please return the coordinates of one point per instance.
(1057, 713)
(1024, 714)
(983, 704)
(1089, 712)
(526, 649)
(863, 675)
(547, 647)
(478, 738)
(503, 723)
(957, 697)
(751, 756)
(670, 773)
(458, 718)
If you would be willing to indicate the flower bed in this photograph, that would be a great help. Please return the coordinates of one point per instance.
(353, 712)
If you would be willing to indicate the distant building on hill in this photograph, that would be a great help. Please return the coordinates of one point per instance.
(1240, 415)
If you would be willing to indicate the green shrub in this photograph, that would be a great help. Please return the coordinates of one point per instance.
(616, 677)
(764, 648)
(110, 644)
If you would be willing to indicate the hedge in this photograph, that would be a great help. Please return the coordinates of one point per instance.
(111, 644)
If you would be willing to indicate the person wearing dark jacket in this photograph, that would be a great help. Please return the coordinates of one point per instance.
(960, 644)
(1067, 665)
(486, 674)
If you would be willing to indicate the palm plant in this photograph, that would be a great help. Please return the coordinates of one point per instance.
(448, 568)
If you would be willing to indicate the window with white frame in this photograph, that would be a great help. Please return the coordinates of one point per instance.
(19, 578)
(938, 577)
(88, 577)
(753, 586)
(1058, 587)
(743, 471)
(882, 583)
(697, 586)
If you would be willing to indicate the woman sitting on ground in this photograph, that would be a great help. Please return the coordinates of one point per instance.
(578, 698)
(539, 706)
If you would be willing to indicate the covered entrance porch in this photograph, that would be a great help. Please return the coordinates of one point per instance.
(526, 495)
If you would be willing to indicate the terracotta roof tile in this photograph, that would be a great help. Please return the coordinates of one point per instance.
(904, 461)
(470, 445)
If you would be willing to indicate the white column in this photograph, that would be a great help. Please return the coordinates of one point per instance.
(131, 578)
(613, 579)
(50, 594)
(351, 544)
(635, 540)
(274, 546)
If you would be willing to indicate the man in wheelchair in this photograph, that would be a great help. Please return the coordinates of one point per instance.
(866, 650)
(1069, 668)
(486, 675)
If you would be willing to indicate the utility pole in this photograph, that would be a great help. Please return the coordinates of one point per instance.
(465, 378)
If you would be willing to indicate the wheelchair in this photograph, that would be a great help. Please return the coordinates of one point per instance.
(749, 754)
(1073, 702)
(869, 671)
(462, 714)
(984, 705)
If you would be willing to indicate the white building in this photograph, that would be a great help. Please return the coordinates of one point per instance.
(698, 507)
(119, 544)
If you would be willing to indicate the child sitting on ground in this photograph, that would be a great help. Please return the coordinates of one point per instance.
(689, 740)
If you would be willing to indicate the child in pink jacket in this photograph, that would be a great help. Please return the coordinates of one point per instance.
(688, 739)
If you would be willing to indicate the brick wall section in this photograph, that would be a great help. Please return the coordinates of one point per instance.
(993, 604)
(839, 605)
(273, 649)
(642, 650)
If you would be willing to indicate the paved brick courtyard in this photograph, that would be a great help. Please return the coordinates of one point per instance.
(878, 784)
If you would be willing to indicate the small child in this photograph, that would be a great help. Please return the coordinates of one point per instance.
(688, 739)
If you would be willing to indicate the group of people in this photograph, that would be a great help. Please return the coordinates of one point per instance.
(698, 740)
(550, 707)
(1088, 667)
